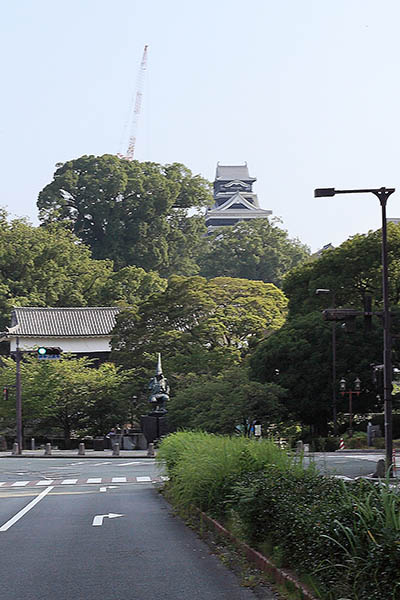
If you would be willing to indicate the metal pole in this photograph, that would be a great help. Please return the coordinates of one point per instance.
(383, 195)
(350, 414)
(18, 397)
(334, 369)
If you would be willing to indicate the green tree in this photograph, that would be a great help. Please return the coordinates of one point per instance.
(257, 250)
(221, 403)
(352, 270)
(66, 394)
(199, 326)
(142, 214)
(45, 267)
(299, 358)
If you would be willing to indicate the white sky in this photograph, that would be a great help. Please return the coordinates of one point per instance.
(306, 91)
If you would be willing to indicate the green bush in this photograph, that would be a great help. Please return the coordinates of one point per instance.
(345, 536)
(379, 443)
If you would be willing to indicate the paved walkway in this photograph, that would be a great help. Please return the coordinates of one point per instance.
(74, 454)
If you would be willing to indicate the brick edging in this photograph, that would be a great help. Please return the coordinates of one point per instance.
(280, 576)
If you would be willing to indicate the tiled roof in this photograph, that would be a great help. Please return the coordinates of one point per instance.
(231, 172)
(88, 321)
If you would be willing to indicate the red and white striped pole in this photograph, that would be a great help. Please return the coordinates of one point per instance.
(341, 444)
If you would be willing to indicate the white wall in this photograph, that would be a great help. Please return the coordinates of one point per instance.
(76, 344)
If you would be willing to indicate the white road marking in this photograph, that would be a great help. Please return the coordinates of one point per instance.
(69, 481)
(118, 480)
(27, 508)
(129, 463)
(100, 464)
(94, 480)
(2, 482)
(98, 519)
(45, 482)
(143, 478)
(19, 484)
(110, 487)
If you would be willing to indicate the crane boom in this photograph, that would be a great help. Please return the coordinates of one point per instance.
(136, 108)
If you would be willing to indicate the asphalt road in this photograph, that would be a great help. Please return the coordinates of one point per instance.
(99, 539)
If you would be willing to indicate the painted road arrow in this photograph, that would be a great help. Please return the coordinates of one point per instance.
(98, 519)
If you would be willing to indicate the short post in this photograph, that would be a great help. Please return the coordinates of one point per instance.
(150, 451)
(15, 448)
(33, 447)
(47, 450)
(115, 450)
(299, 447)
(81, 449)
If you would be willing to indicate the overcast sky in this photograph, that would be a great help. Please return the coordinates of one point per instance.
(306, 91)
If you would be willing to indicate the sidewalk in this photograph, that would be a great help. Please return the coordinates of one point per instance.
(74, 454)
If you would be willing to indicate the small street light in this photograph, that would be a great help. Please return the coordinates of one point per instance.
(334, 413)
(382, 194)
(356, 390)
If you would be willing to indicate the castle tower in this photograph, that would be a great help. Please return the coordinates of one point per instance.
(234, 199)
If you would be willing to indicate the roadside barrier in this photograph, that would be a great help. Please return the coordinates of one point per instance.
(341, 444)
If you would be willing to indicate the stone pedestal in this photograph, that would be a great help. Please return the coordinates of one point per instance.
(154, 425)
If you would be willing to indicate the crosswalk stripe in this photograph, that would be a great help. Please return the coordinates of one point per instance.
(19, 484)
(2, 482)
(68, 481)
(94, 480)
(143, 478)
(118, 480)
(45, 482)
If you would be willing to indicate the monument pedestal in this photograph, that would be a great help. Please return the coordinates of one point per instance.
(154, 425)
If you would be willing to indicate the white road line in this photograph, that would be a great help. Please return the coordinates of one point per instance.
(27, 508)
(94, 480)
(118, 480)
(100, 464)
(143, 478)
(69, 481)
(129, 463)
(20, 483)
(45, 482)
(2, 482)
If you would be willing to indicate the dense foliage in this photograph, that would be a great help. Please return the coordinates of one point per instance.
(133, 213)
(344, 537)
(256, 249)
(66, 395)
(201, 326)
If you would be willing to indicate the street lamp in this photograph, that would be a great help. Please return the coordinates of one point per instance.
(382, 194)
(326, 291)
(357, 388)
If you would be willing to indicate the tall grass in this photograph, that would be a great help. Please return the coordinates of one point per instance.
(203, 467)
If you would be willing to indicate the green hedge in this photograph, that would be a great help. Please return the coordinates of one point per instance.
(345, 536)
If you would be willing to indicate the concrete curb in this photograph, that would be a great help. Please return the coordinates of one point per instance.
(280, 576)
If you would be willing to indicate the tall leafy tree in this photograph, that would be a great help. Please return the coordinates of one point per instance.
(257, 250)
(142, 214)
(199, 326)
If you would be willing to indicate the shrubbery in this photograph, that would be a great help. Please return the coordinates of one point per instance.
(346, 536)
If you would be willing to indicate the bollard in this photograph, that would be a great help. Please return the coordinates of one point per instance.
(306, 448)
(47, 450)
(341, 444)
(299, 447)
(116, 450)
(150, 450)
(81, 449)
(15, 449)
(33, 444)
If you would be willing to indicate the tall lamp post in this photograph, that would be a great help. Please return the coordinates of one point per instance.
(357, 388)
(382, 194)
(334, 413)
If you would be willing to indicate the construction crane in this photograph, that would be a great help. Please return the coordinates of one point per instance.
(133, 119)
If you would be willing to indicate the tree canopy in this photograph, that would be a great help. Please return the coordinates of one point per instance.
(51, 267)
(200, 326)
(134, 213)
(257, 250)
